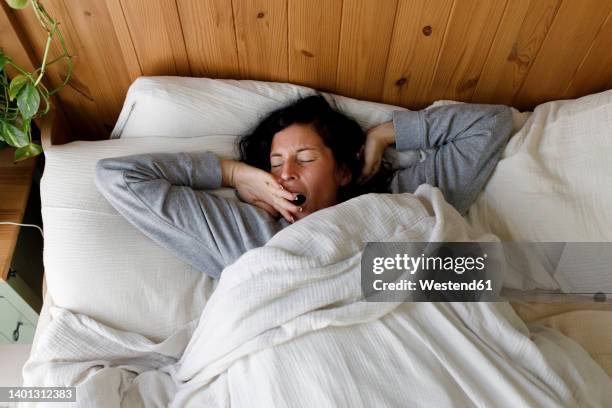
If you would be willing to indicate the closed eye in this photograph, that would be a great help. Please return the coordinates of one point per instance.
(301, 161)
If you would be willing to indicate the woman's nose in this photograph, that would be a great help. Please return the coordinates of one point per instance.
(288, 171)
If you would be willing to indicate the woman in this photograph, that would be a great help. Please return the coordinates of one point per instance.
(306, 148)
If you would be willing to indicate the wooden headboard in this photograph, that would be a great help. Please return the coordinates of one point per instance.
(402, 52)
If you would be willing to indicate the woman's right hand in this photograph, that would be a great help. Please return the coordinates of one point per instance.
(259, 188)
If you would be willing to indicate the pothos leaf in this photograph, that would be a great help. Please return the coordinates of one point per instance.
(14, 136)
(28, 100)
(16, 85)
(3, 60)
(17, 4)
(28, 151)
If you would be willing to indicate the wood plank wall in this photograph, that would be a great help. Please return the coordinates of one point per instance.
(403, 52)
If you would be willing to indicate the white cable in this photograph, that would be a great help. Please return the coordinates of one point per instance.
(24, 225)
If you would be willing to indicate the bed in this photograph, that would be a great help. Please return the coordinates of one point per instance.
(130, 324)
(126, 321)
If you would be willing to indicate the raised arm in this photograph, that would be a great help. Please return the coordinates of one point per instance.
(160, 195)
(464, 141)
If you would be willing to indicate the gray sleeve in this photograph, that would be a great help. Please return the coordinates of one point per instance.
(160, 195)
(468, 140)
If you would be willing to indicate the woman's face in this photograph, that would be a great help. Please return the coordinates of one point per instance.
(303, 164)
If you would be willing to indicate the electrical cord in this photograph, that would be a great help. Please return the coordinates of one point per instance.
(24, 225)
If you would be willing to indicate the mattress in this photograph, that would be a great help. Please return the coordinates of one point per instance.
(586, 322)
(542, 155)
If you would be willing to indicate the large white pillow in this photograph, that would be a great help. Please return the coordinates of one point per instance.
(98, 264)
(553, 182)
(189, 107)
(179, 107)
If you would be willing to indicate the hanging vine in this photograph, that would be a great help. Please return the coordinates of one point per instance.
(25, 97)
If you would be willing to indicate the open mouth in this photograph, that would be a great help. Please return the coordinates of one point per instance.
(299, 199)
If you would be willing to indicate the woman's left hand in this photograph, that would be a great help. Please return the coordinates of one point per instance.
(377, 140)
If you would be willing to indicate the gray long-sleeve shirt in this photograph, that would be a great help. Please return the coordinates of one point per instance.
(162, 194)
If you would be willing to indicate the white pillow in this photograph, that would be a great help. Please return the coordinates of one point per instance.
(189, 107)
(553, 182)
(96, 262)
(179, 107)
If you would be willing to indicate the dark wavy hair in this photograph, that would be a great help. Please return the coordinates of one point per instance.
(340, 133)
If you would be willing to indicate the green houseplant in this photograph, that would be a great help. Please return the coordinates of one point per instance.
(25, 97)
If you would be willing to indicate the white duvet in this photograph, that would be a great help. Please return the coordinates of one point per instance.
(285, 327)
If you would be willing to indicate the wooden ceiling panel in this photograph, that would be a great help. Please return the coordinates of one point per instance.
(567, 43)
(405, 52)
(314, 36)
(520, 35)
(99, 49)
(155, 29)
(469, 36)
(595, 72)
(208, 26)
(261, 37)
(417, 39)
(365, 40)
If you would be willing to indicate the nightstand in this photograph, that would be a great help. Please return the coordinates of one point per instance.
(18, 302)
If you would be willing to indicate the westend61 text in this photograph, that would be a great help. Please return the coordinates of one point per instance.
(429, 284)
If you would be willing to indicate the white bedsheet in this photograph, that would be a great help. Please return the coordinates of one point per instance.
(272, 335)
